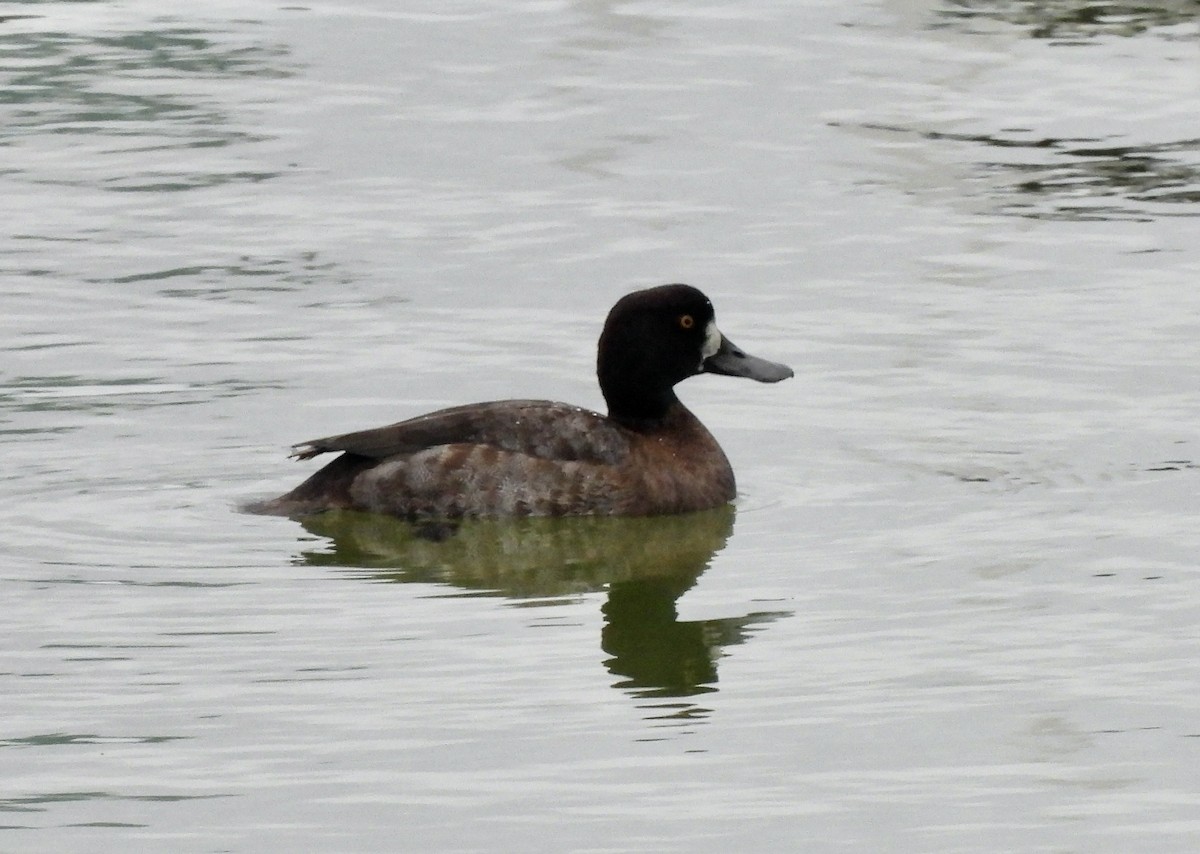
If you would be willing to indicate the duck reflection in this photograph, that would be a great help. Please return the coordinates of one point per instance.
(645, 564)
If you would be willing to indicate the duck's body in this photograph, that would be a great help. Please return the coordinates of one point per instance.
(648, 456)
(518, 458)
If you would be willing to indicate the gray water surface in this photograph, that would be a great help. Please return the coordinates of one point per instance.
(955, 606)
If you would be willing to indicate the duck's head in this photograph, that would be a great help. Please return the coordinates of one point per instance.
(655, 338)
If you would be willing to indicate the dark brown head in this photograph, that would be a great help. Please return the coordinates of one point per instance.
(654, 338)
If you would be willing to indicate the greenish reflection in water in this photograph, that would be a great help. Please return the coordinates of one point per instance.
(1135, 173)
(645, 564)
(1080, 179)
(1090, 179)
(1072, 20)
(69, 83)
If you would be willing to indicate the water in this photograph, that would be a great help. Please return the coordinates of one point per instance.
(954, 609)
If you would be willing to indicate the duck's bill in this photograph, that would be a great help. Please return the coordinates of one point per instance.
(732, 361)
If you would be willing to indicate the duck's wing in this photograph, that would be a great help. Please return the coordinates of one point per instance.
(539, 428)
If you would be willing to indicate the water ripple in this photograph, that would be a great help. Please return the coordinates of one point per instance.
(1073, 21)
(1078, 179)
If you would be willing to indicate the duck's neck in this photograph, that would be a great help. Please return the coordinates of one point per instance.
(632, 396)
(650, 416)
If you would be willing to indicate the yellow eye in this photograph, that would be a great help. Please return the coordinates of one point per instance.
(686, 321)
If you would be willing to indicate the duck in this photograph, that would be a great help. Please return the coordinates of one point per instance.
(648, 456)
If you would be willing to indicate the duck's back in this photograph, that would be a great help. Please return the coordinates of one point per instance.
(542, 429)
(512, 457)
